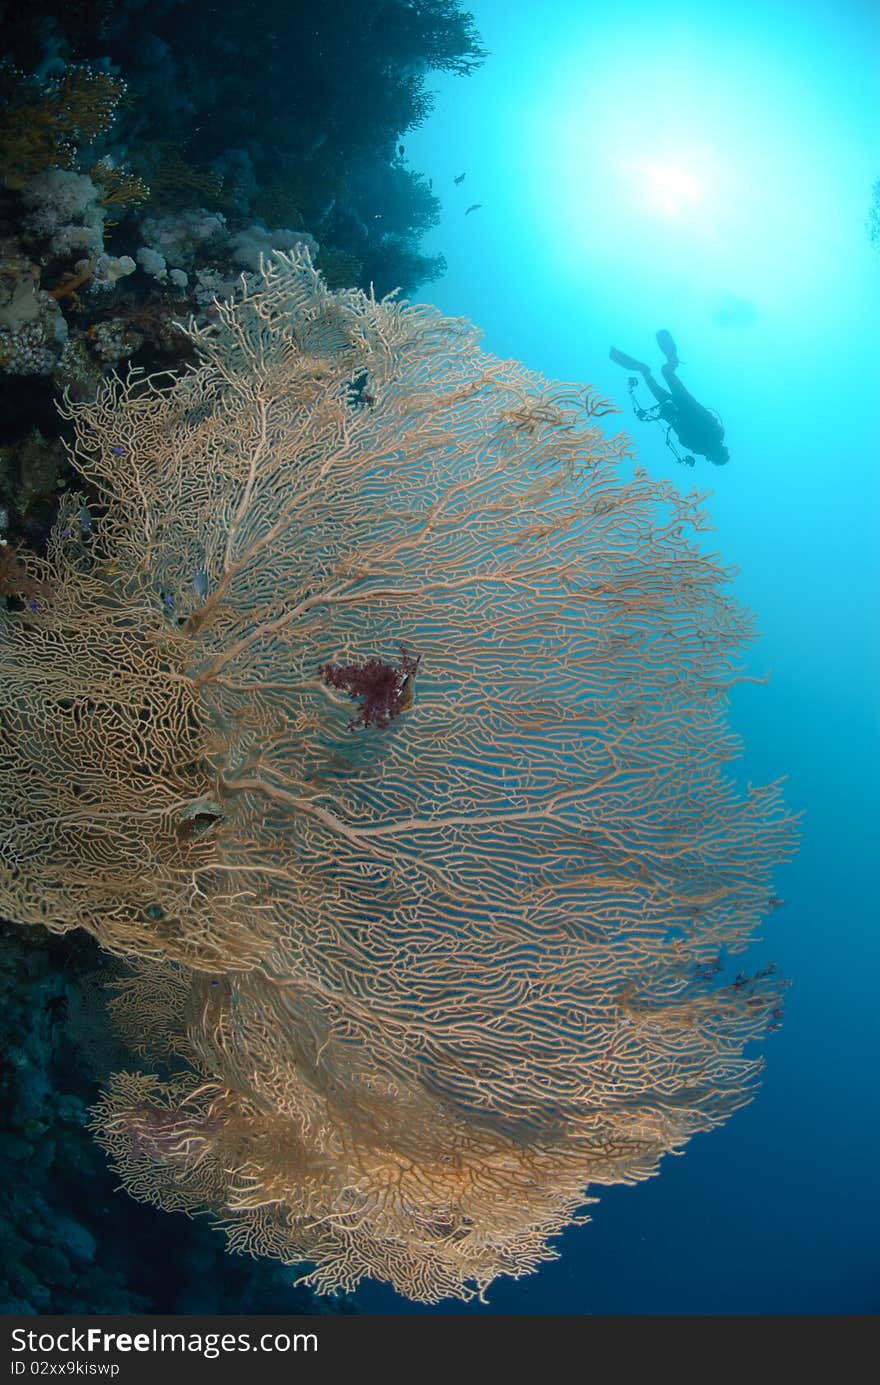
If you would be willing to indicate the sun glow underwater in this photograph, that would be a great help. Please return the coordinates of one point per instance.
(670, 188)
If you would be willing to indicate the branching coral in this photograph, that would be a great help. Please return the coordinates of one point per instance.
(117, 186)
(436, 974)
(43, 122)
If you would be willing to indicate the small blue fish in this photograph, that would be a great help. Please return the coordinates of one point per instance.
(200, 582)
(85, 520)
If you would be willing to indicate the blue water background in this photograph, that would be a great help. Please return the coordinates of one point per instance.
(707, 168)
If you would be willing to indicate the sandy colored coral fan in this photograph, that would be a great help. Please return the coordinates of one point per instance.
(432, 978)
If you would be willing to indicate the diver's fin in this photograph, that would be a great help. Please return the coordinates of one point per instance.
(668, 347)
(628, 362)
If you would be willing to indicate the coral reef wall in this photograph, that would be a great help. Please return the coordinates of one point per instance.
(142, 173)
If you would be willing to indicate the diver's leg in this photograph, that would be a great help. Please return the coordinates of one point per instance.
(657, 390)
(630, 363)
(676, 388)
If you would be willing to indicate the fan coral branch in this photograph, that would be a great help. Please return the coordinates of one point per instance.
(430, 984)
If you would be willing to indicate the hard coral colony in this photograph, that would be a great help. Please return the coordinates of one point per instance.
(434, 976)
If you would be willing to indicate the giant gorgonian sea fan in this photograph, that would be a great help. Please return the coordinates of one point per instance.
(426, 973)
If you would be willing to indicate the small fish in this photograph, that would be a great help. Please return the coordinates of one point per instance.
(200, 582)
(474, 207)
(85, 520)
(401, 151)
(460, 178)
(117, 451)
(430, 182)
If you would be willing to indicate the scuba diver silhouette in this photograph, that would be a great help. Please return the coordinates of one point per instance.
(697, 429)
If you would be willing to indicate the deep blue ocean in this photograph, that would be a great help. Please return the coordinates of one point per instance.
(706, 168)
